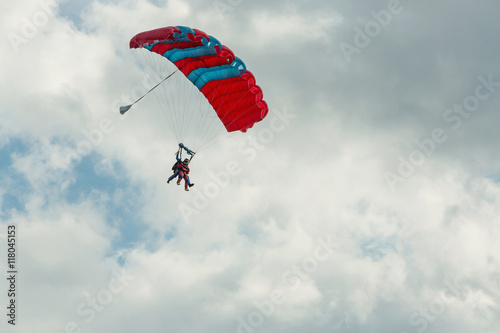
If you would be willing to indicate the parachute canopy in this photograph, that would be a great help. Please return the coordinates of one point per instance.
(213, 69)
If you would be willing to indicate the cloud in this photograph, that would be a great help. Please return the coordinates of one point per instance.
(86, 187)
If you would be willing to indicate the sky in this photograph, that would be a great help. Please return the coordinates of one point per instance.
(366, 201)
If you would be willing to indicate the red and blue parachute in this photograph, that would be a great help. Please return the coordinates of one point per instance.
(204, 65)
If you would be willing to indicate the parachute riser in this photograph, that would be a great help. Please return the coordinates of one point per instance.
(189, 151)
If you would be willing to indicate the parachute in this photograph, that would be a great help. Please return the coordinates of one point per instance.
(204, 89)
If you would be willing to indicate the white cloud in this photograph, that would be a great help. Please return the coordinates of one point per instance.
(321, 176)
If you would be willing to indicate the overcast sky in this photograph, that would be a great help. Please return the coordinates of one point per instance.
(367, 200)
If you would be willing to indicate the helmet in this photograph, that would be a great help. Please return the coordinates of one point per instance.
(186, 161)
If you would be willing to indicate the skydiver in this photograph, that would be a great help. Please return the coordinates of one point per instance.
(175, 168)
(183, 173)
(181, 170)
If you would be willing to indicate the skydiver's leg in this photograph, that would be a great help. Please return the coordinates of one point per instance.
(189, 181)
(173, 176)
(181, 175)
